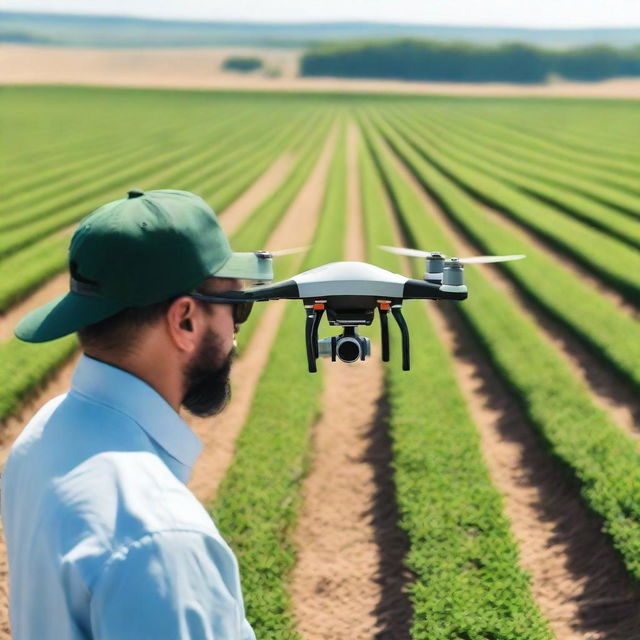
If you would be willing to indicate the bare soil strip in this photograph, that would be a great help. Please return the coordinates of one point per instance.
(219, 433)
(186, 68)
(609, 391)
(237, 212)
(344, 581)
(578, 580)
(355, 248)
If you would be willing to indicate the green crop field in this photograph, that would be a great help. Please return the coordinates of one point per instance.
(512, 458)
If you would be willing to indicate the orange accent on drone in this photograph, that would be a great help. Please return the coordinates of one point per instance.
(318, 306)
(385, 306)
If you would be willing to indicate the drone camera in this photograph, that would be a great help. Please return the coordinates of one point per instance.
(348, 347)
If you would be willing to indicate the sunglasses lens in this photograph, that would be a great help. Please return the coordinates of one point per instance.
(242, 311)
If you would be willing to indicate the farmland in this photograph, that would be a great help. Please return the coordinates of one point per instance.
(491, 492)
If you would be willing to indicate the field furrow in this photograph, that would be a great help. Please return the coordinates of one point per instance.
(257, 502)
(460, 547)
(338, 593)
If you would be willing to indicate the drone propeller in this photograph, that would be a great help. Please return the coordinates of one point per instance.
(417, 253)
(412, 253)
(488, 259)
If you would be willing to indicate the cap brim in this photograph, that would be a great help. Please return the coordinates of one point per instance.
(64, 315)
(246, 266)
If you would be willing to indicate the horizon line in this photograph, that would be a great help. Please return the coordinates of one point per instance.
(319, 22)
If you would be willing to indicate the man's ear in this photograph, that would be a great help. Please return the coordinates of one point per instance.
(180, 324)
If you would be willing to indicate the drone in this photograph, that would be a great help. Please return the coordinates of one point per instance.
(351, 292)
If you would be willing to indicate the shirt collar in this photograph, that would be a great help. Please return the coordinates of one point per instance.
(131, 395)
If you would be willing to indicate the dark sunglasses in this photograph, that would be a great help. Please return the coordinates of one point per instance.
(241, 306)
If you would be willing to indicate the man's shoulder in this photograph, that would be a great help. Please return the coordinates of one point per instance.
(93, 466)
(119, 497)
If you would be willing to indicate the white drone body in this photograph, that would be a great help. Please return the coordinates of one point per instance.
(350, 293)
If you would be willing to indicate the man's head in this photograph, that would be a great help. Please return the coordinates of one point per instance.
(133, 263)
(194, 337)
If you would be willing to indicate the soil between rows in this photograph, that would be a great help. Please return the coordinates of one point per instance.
(347, 581)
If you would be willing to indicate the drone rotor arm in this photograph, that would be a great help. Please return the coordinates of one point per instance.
(287, 289)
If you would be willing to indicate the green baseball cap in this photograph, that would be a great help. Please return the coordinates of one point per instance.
(138, 250)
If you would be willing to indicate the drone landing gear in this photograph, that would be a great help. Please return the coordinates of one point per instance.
(384, 330)
(314, 315)
(404, 331)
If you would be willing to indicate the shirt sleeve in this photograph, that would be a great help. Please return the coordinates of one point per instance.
(173, 585)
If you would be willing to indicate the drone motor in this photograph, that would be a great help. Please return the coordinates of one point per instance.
(435, 267)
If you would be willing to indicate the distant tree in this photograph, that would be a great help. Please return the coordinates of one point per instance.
(413, 59)
(22, 38)
(242, 63)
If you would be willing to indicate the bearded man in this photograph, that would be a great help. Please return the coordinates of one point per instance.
(104, 539)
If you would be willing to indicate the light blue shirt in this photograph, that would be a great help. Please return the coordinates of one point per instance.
(104, 540)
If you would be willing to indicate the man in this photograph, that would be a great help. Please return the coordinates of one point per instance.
(104, 539)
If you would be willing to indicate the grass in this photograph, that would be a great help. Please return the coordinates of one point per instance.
(467, 582)
(258, 501)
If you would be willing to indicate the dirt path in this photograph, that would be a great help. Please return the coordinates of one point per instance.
(218, 434)
(578, 580)
(237, 212)
(186, 68)
(338, 584)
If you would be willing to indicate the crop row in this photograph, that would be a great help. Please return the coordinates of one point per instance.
(257, 503)
(71, 205)
(63, 176)
(584, 244)
(25, 364)
(556, 290)
(41, 259)
(48, 126)
(567, 130)
(603, 460)
(571, 128)
(467, 577)
(538, 180)
(541, 161)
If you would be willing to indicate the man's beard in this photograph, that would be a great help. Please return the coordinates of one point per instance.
(207, 384)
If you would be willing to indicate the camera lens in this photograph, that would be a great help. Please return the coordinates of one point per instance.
(348, 350)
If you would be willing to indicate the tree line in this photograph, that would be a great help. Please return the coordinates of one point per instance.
(412, 59)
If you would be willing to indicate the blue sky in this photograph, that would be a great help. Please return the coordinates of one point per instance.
(522, 13)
